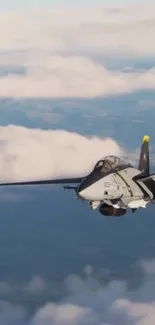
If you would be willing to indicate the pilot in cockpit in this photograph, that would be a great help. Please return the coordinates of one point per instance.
(108, 163)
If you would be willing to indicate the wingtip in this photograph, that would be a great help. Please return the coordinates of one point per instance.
(146, 138)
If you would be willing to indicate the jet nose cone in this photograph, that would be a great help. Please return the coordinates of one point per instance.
(83, 189)
(80, 191)
(81, 194)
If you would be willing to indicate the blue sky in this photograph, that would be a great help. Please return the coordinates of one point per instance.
(18, 4)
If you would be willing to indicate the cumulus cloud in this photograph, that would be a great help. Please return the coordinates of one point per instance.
(123, 30)
(66, 77)
(10, 314)
(36, 286)
(34, 153)
(113, 304)
(90, 302)
(53, 48)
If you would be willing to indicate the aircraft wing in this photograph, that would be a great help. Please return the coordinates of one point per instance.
(46, 181)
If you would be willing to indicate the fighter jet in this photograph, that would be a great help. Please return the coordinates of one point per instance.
(114, 186)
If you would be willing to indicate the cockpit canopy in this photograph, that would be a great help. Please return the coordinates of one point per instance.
(110, 162)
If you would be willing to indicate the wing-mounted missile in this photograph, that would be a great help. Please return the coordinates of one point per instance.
(94, 204)
(70, 188)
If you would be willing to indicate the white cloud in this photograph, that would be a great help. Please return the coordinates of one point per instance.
(33, 153)
(127, 30)
(113, 304)
(54, 45)
(89, 304)
(36, 286)
(58, 76)
(10, 314)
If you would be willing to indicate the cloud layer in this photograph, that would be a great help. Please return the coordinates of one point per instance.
(56, 50)
(33, 153)
(121, 30)
(61, 77)
(88, 302)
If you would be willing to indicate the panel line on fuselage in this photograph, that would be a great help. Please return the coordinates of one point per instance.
(150, 184)
(126, 183)
(94, 177)
(145, 190)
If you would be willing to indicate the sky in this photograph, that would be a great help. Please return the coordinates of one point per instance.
(68, 55)
(39, 153)
(57, 53)
(68, 49)
(20, 4)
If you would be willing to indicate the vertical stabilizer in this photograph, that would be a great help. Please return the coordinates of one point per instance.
(144, 163)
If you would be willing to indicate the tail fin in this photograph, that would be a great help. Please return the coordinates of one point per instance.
(144, 162)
